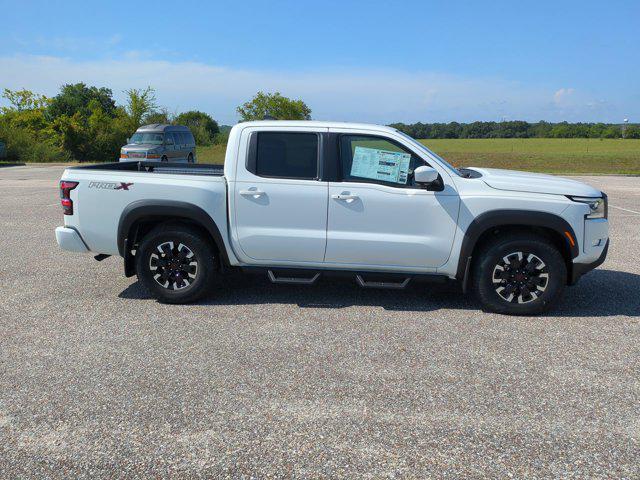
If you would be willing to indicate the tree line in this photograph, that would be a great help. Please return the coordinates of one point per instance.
(84, 123)
(518, 129)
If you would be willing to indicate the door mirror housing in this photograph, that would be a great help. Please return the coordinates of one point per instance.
(425, 176)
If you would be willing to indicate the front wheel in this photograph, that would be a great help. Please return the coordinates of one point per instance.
(519, 274)
(175, 263)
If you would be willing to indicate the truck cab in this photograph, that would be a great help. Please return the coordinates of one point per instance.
(299, 200)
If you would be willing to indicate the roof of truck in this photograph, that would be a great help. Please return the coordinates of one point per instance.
(162, 127)
(317, 124)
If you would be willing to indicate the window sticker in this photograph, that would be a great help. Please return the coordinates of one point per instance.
(380, 165)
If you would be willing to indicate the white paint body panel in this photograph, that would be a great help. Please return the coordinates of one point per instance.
(386, 226)
(285, 221)
(298, 223)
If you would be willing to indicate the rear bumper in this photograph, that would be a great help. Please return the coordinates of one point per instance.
(580, 269)
(70, 240)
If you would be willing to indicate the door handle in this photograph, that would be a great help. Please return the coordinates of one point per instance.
(345, 197)
(251, 193)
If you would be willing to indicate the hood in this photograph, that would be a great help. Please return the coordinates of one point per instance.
(535, 182)
(140, 147)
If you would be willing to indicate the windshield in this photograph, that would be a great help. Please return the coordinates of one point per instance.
(151, 138)
(438, 157)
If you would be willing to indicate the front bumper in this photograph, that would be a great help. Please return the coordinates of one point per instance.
(70, 240)
(579, 269)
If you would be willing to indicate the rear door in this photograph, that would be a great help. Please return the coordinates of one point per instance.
(279, 203)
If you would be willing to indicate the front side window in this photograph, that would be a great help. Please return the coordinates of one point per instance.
(169, 139)
(287, 155)
(376, 160)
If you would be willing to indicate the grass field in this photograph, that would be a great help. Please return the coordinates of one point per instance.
(552, 155)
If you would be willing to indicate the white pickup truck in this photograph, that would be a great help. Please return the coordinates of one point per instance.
(298, 200)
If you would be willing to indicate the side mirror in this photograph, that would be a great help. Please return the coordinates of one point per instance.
(425, 175)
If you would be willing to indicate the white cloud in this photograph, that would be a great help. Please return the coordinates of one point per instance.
(563, 96)
(380, 96)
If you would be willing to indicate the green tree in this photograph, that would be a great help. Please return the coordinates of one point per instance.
(22, 100)
(161, 115)
(203, 127)
(76, 98)
(140, 104)
(274, 105)
(633, 131)
(613, 131)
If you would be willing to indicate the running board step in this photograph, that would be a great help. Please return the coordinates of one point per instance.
(385, 284)
(295, 280)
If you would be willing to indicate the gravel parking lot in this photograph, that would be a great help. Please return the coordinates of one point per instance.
(99, 380)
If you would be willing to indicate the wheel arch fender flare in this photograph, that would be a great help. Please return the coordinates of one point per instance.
(143, 210)
(503, 218)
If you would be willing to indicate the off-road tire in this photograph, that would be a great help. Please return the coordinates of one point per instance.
(509, 266)
(167, 254)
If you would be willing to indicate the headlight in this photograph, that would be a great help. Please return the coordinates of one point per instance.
(598, 206)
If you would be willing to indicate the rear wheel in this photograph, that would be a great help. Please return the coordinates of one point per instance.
(519, 274)
(175, 263)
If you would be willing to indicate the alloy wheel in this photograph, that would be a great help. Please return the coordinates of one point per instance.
(173, 267)
(520, 277)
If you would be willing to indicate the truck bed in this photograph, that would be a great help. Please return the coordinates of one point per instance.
(157, 167)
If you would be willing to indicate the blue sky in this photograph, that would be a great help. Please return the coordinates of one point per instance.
(358, 61)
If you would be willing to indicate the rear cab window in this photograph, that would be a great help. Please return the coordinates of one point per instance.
(291, 155)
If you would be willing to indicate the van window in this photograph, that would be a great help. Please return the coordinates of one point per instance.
(287, 155)
(178, 138)
(189, 138)
(169, 138)
(152, 138)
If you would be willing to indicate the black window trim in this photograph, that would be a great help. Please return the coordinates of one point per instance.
(251, 163)
(340, 173)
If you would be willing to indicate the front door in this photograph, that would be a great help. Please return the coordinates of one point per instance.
(378, 217)
(169, 147)
(280, 205)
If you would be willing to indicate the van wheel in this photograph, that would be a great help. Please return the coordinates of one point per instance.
(175, 263)
(190, 158)
(164, 159)
(519, 274)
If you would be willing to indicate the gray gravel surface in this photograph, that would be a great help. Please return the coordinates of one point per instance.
(99, 380)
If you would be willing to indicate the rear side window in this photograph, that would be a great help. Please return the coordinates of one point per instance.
(285, 155)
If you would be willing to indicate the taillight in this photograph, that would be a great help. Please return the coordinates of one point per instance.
(65, 196)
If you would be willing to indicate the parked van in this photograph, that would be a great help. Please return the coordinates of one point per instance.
(165, 143)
